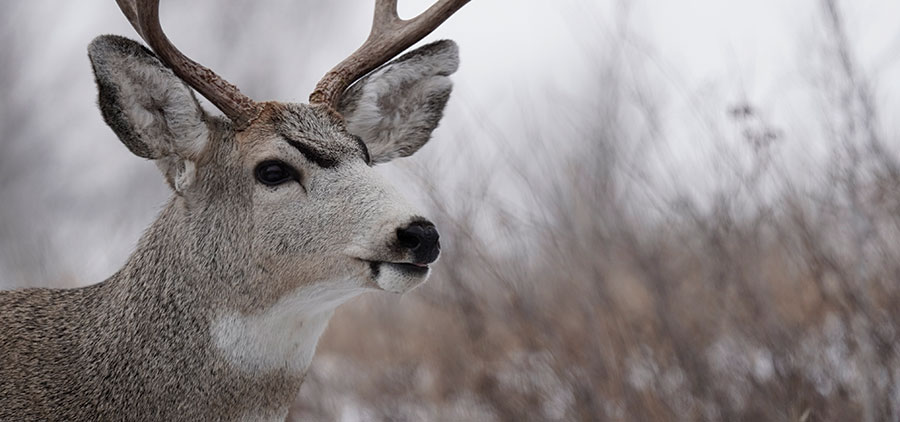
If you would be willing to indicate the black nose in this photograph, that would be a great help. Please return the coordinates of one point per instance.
(420, 238)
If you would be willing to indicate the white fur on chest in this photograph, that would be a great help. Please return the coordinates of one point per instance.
(283, 336)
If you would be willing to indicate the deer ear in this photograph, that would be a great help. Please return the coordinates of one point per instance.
(151, 110)
(396, 107)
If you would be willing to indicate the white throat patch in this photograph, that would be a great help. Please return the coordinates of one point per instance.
(283, 336)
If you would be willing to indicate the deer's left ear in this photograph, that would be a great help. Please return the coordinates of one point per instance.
(396, 107)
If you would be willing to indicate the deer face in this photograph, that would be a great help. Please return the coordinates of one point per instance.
(297, 182)
(320, 209)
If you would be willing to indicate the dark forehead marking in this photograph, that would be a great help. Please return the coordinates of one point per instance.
(317, 136)
(317, 157)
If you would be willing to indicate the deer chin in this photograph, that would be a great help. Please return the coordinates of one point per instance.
(398, 277)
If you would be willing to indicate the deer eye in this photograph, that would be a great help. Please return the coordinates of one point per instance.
(275, 173)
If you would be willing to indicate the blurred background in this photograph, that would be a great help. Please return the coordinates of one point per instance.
(650, 210)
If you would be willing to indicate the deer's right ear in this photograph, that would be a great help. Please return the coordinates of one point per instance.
(151, 110)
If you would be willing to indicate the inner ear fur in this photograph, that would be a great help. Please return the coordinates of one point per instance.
(396, 107)
(152, 111)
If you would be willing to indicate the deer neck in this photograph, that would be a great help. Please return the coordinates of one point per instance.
(207, 302)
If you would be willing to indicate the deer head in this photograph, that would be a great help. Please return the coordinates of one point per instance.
(277, 217)
(295, 180)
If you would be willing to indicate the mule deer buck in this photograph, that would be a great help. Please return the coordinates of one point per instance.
(277, 218)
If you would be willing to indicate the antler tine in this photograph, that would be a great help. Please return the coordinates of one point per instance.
(144, 17)
(389, 36)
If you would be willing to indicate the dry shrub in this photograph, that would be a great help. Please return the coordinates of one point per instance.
(573, 301)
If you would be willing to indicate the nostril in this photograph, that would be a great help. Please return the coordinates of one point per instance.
(410, 237)
(421, 239)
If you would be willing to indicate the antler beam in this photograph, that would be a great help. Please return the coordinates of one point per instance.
(390, 35)
(144, 17)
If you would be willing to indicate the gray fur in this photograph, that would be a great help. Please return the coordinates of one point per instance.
(154, 113)
(193, 326)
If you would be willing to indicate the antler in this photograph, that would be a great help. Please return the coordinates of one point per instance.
(144, 17)
(390, 35)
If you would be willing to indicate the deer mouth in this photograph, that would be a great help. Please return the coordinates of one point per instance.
(398, 277)
(410, 268)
